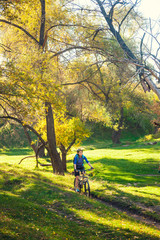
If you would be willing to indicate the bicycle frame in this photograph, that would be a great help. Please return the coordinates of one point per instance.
(83, 183)
(83, 176)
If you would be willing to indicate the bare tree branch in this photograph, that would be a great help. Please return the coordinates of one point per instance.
(66, 25)
(96, 32)
(71, 144)
(21, 28)
(126, 15)
(131, 57)
(112, 8)
(26, 157)
(69, 49)
(141, 52)
(6, 48)
(4, 109)
(116, 34)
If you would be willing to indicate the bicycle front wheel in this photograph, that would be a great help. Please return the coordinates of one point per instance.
(87, 189)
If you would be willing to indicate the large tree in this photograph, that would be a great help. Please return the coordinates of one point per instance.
(121, 20)
(29, 72)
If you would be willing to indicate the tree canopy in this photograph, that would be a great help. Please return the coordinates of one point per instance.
(63, 64)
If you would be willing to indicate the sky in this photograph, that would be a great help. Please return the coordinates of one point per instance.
(150, 8)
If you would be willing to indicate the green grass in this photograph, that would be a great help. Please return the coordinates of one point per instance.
(35, 204)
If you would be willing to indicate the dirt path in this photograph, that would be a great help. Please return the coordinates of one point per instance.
(147, 220)
(130, 212)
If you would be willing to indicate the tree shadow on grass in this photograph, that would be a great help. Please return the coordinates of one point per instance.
(45, 211)
(124, 171)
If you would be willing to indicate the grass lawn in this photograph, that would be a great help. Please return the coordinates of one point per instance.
(35, 204)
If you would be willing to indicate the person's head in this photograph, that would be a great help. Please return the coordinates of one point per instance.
(80, 152)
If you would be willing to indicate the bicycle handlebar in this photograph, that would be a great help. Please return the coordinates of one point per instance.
(84, 170)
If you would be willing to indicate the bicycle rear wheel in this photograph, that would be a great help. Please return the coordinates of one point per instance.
(87, 189)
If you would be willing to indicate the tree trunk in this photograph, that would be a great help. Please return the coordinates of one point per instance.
(116, 135)
(64, 152)
(41, 153)
(64, 161)
(52, 148)
(43, 21)
(40, 150)
(53, 153)
(64, 155)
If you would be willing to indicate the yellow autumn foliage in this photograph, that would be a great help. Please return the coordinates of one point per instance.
(66, 130)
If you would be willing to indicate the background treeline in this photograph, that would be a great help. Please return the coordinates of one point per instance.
(12, 135)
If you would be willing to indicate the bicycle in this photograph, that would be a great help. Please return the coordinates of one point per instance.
(83, 183)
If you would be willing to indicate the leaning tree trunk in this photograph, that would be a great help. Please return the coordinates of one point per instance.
(33, 146)
(116, 135)
(52, 148)
(39, 150)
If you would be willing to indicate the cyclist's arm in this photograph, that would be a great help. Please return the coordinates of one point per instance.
(86, 159)
(88, 162)
(75, 162)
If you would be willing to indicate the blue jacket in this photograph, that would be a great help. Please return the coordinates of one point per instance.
(80, 161)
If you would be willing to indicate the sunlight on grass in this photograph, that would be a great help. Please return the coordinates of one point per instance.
(150, 193)
(34, 202)
(116, 221)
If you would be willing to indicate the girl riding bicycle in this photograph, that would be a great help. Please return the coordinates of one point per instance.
(79, 165)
